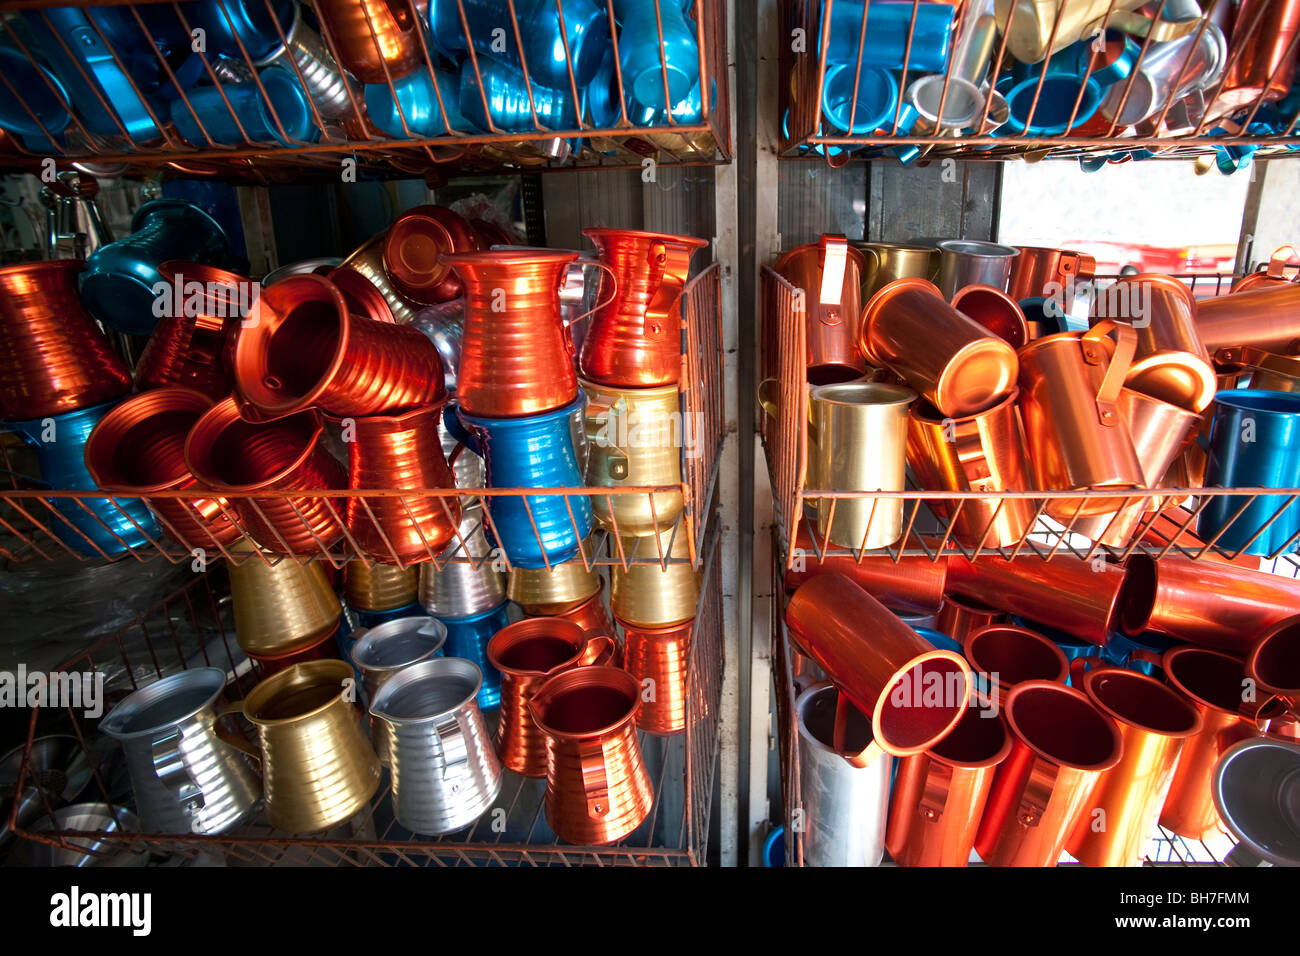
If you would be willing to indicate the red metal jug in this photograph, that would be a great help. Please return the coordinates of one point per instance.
(635, 338)
(516, 356)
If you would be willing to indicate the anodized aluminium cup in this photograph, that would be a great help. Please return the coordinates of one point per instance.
(994, 310)
(1036, 28)
(960, 616)
(857, 434)
(1062, 744)
(1048, 272)
(955, 363)
(964, 262)
(829, 275)
(887, 261)
(1254, 443)
(938, 797)
(1155, 721)
(916, 695)
(1002, 656)
(1262, 53)
(913, 583)
(1265, 318)
(1274, 665)
(887, 34)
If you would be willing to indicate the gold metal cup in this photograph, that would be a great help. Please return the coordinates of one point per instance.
(381, 587)
(648, 595)
(554, 590)
(280, 607)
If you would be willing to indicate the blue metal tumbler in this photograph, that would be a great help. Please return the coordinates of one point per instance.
(1254, 443)
(647, 59)
(535, 451)
(103, 525)
(287, 98)
(36, 87)
(467, 638)
(508, 102)
(868, 106)
(419, 105)
(889, 25)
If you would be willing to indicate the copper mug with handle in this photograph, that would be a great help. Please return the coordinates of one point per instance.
(828, 279)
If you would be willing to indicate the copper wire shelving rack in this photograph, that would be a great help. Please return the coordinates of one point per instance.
(351, 136)
(194, 627)
(785, 439)
(807, 134)
(32, 528)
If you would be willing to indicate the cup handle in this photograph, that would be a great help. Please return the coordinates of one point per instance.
(613, 279)
(674, 262)
(765, 399)
(1120, 361)
(233, 738)
(458, 430)
(173, 771)
(1037, 793)
(1080, 666)
(968, 444)
(598, 652)
(832, 260)
(597, 416)
(1144, 656)
(595, 778)
(934, 793)
(1277, 261)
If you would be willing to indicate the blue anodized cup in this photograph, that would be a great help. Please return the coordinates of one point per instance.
(860, 109)
(1254, 443)
(60, 443)
(508, 103)
(889, 24)
(646, 58)
(418, 104)
(288, 104)
(534, 451)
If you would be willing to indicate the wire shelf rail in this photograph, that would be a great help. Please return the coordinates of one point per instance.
(153, 99)
(193, 627)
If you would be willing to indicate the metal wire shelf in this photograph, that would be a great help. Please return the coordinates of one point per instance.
(1171, 528)
(1184, 127)
(38, 524)
(687, 134)
(194, 627)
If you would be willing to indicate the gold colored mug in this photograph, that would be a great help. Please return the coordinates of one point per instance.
(635, 436)
(650, 595)
(857, 437)
(318, 768)
(887, 261)
(559, 588)
(379, 587)
(282, 606)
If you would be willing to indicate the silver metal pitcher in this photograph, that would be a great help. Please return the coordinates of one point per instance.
(964, 262)
(185, 779)
(445, 770)
(325, 83)
(463, 589)
(843, 793)
(384, 650)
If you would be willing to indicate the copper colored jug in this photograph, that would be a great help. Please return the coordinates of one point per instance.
(375, 40)
(956, 364)
(597, 788)
(659, 658)
(528, 653)
(1214, 682)
(1061, 744)
(402, 452)
(139, 447)
(53, 358)
(188, 345)
(880, 664)
(591, 615)
(938, 796)
(1155, 722)
(635, 336)
(1170, 363)
(227, 453)
(516, 356)
(981, 452)
(1075, 436)
(1050, 273)
(302, 346)
(828, 276)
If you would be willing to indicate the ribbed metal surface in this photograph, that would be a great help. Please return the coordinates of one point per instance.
(648, 595)
(445, 771)
(53, 358)
(556, 589)
(383, 651)
(516, 357)
(659, 659)
(185, 780)
(637, 433)
(461, 588)
(368, 260)
(379, 587)
(324, 82)
(280, 607)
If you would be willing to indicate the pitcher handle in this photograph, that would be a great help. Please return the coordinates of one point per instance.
(458, 430)
(765, 399)
(599, 651)
(1277, 262)
(595, 778)
(613, 278)
(173, 771)
(1116, 371)
(832, 260)
(674, 261)
(618, 464)
(234, 738)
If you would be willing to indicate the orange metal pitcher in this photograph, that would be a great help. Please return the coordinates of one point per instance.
(528, 653)
(938, 796)
(635, 336)
(597, 788)
(1122, 814)
(1061, 746)
(659, 659)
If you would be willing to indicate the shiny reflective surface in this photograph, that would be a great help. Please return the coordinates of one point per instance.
(648, 595)
(280, 607)
(659, 658)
